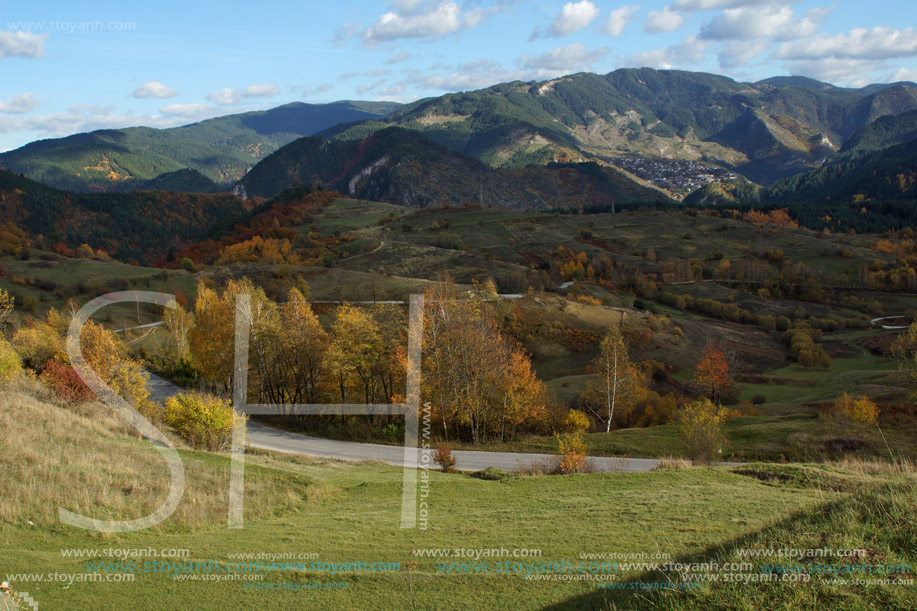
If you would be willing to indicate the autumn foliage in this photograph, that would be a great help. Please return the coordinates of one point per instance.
(779, 217)
(445, 460)
(618, 384)
(40, 344)
(10, 366)
(480, 384)
(701, 428)
(64, 382)
(855, 408)
(712, 373)
(204, 421)
(572, 450)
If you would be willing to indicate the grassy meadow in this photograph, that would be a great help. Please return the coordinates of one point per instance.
(343, 512)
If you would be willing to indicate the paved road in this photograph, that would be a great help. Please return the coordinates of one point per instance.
(874, 322)
(268, 438)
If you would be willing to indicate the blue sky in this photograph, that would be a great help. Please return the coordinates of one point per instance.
(67, 67)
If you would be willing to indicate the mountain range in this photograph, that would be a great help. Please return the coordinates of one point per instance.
(401, 166)
(764, 131)
(487, 145)
(221, 149)
(877, 163)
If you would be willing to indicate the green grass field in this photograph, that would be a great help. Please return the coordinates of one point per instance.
(351, 214)
(351, 512)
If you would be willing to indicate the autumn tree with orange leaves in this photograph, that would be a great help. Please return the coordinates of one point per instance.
(479, 384)
(712, 373)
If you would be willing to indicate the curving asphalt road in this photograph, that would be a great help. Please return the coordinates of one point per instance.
(268, 438)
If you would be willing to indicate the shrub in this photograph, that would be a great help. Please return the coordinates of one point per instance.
(576, 422)
(39, 344)
(64, 382)
(572, 452)
(758, 400)
(445, 460)
(856, 408)
(701, 427)
(204, 421)
(450, 241)
(10, 365)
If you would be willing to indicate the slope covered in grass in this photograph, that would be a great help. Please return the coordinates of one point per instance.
(337, 512)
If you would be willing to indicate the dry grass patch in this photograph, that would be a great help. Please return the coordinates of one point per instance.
(673, 463)
(53, 457)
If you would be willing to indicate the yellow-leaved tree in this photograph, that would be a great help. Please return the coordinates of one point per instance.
(107, 355)
(178, 323)
(212, 339)
(297, 361)
(355, 351)
(701, 427)
(618, 384)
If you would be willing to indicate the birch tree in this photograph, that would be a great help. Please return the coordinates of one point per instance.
(618, 384)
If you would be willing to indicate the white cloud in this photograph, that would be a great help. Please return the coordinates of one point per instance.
(376, 72)
(737, 53)
(689, 52)
(574, 16)
(393, 91)
(407, 6)
(224, 97)
(154, 89)
(86, 117)
(22, 44)
(839, 71)
(879, 42)
(343, 34)
(185, 110)
(575, 57)
(903, 74)
(259, 91)
(665, 20)
(778, 22)
(709, 5)
(422, 19)
(20, 104)
(486, 72)
(227, 96)
(619, 19)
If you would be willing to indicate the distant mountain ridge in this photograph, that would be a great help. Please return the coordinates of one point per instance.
(878, 163)
(765, 131)
(887, 174)
(222, 149)
(402, 167)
